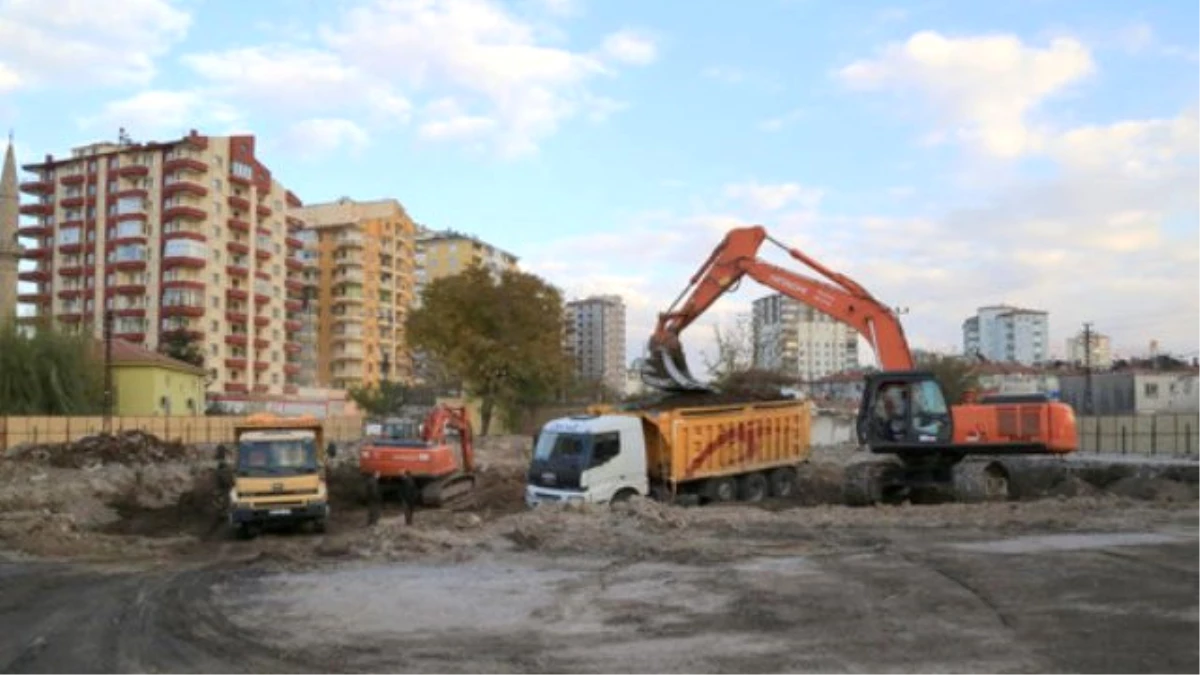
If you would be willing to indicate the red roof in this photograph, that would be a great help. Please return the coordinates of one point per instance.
(129, 354)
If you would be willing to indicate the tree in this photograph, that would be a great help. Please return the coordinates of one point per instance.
(735, 351)
(956, 374)
(501, 335)
(182, 345)
(51, 372)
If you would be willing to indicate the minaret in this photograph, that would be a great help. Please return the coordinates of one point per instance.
(10, 249)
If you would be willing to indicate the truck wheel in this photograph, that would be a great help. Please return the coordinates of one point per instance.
(623, 495)
(865, 483)
(752, 487)
(783, 483)
(976, 482)
(722, 490)
(247, 532)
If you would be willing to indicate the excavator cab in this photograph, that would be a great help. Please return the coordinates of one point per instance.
(902, 409)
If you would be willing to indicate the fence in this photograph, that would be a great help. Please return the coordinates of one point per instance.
(1167, 434)
(217, 429)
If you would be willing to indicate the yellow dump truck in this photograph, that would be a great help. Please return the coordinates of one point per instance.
(279, 473)
(741, 452)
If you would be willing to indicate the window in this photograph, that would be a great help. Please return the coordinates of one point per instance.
(1151, 389)
(241, 169)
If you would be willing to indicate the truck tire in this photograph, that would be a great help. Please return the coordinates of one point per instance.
(752, 487)
(865, 483)
(623, 495)
(980, 481)
(722, 489)
(783, 483)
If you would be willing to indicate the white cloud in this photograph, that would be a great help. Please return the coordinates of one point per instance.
(984, 87)
(768, 197)
(787, 119)
(445, 120)
(157, 112)
(320, 136)
(631, 47)
(83, 42)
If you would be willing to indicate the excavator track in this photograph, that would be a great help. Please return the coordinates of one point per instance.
(453, 493)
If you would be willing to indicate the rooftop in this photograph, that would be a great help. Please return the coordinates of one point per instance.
(346, 211)
(128, 354)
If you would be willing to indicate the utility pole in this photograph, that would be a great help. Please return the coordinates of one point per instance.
(1087, 367)
(108, 392)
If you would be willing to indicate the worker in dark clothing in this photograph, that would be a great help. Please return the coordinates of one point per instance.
(408, 492)
(224, 483)
(374, 499)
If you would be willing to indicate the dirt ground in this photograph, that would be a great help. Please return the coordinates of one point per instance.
(126, 566)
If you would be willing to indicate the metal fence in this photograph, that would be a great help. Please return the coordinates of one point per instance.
(16, 431)
(1165, 434)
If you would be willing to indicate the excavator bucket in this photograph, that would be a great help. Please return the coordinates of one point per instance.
(666, 368)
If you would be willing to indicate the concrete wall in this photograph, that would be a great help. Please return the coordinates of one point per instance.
(1170, 434)
(20, 430)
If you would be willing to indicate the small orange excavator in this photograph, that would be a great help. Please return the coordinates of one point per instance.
(903, 411)
(443, 476)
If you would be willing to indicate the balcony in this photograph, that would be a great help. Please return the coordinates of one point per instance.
(262, 344)
(292, 347)
(239, 203)
(135, 338)
(236, 317)
(130, 312)
(72, 202)
(133, 171)
(73, 270)
(183, 310)
(185, 164)
(137, 193)
(259, 274)
(291, 325)
(37, 230)
(347, 300)
(128, 265)
(294, 285)
(263, 211)
(261, 388)
(291, 368)
(237, 247)
(237, 294)
(124, 240)
(261, 298)
(293, 305)
(182, 211)
(72, 179)
(261, 365)
(262, 254)
(294, 243)
(292, 200)
(261, 320)
(348, 356)
(236, 362)
(191, 284)
(37, 187)
(132, 215)
(237, 271)
(185, 186)
(34, 298)
(239, 225)
(37, 209)
(40, 253)
(36, 276)
(350, 241)
(236, 388)
(180, 328)
(130, 289)
(172, 261)
(236, 339)
(293, 223)
(70, 249)
(194, 235)
(235, 179)
(293, 264)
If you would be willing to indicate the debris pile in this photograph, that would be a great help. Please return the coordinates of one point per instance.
(126, 447)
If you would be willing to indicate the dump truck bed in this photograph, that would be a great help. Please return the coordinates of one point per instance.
(687, 444)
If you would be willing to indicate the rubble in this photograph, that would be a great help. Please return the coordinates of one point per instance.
(125, 447)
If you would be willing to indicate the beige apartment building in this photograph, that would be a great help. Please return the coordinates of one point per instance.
(365, 259)
(442, 253)
(191, 235)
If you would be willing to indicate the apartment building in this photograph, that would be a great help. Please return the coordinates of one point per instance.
(792, 338)
(1007, 333)
(596, 326)
(442, 253)
(1101, 350)
(366, 254)
(191, 235)
(309, 313)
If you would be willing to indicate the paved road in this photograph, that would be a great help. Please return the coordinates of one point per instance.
(881, 601)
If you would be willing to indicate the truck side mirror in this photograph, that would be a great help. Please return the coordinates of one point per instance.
(331, 449)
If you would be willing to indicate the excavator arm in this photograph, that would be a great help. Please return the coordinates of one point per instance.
(736, 257)
(434, 431)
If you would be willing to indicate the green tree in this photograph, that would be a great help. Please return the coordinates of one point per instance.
(182, 345)
(382, 399)
(500, 335)
(52, 372)
(956, 374)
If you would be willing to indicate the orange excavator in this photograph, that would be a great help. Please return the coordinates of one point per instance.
(903, 411)
(443, 476)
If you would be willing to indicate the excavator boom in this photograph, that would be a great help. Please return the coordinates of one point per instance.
(735, 257)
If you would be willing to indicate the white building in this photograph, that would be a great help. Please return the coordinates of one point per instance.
(795, 339)
(1101, 350)
(1006, 333)
(596, 336)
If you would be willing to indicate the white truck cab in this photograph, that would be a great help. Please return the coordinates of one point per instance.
(588, 458)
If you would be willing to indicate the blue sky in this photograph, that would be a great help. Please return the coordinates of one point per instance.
(945, 154)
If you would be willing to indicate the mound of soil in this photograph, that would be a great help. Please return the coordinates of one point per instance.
(690, 399)
(127, 447)
(1153, 489)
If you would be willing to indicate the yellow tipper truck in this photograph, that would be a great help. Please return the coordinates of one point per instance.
(716, 453)
(279, 473)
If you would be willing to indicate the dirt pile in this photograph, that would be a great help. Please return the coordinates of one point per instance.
(704, 398)
(126, 447)
(1155, 489)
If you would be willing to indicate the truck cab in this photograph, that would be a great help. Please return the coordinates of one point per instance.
(588, 459)
(279, 475)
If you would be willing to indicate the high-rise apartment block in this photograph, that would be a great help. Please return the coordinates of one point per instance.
(442, 253)
(1101, 350)
(792, 338)
(1006, 333)
(596, 336)
(366, 257)
(192, 235)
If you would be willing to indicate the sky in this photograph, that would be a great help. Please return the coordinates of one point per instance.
(946, 155)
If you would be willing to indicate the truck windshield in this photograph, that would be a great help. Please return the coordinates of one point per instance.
(558, 447)
(278, 457)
